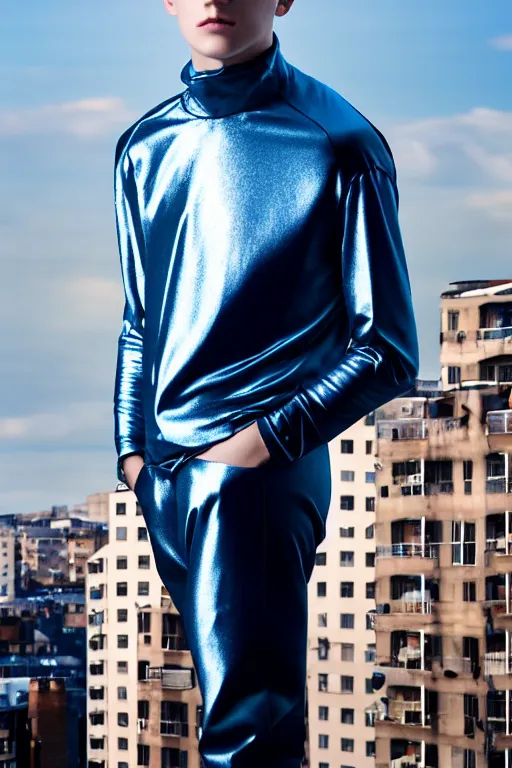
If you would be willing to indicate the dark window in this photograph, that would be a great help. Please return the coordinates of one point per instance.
(469, 591)
(347, 446)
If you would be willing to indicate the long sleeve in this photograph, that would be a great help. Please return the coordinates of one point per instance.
(382, 359)
(128, 410)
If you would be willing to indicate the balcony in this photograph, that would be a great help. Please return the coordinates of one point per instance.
(497, 663)
(499, 422)
(177, 679)
(412, 705)
(173, 728)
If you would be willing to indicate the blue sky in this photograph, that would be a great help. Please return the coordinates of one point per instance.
(434, 77)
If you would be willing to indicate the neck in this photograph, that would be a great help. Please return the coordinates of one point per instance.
(235, 87)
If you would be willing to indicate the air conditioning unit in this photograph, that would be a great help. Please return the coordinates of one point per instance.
(414, 479)
(461, 336)
(407, 410)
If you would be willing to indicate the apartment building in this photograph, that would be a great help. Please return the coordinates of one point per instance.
(7, 564)
(341, 594)
(144, 706)
(443, 621)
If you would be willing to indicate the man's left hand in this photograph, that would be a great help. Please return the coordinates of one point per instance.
(243, 449)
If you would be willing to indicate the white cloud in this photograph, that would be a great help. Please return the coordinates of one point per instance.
(85, 119)
(479, 139)
(497, 204)
(502, 43)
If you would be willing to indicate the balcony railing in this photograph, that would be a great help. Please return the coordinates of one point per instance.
(173, 728)
(487, 334)
(405, 712)
(499, 422)
(179, 679)
(498, 485)
(409, 549)
(412, 602)
(497, 663)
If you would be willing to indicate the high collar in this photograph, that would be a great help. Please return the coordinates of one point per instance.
(234, 87)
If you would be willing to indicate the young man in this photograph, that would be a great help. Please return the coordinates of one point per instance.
(268, 308)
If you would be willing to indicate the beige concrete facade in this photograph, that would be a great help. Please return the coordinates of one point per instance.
(7, 564)
(341, 643)
(444, 549)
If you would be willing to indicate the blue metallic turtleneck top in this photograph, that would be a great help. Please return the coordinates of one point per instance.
(263, 266)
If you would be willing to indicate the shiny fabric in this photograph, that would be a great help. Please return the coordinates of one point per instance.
(235, 547)
(263, 266)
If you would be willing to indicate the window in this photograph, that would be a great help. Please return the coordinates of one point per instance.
(347, 502)
(121, 533)
(370, 504)
(143, 588)
(453, 320)
(369, 447)
(142, 534)
(122, 719)
(323, 740)
(144, 621)
(346, 589)
(321, 589)
(370, 590)
(122, 743)
(323, 648)
(347, 620)
(144, 561)
(369, 419)
(469, 591)
(122, 563)
(369, 477)
(347, 446)
(122, 614)
(346, 532)
(323, 713)
(347, 716)
(371, 653)
(370, 620)
(370, 749)
(453, 374)
(347, 559)
(322, 619)
(122, 588)
(463, 542)
(370, 559)
(369, 719)
(122, 667)
(347, 476)
(368, 686)
(120, 508)
(384, 492)
(347, 684)
(122, 641)
(347, 745)
(143, 754)
(321, 558)
(322, 681)
(468, 475)
(369, 532)
(347, 651)
(122, 693)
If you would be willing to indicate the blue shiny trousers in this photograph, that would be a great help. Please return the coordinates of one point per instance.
(235, 547)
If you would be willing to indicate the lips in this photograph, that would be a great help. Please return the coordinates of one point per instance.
(216, 21)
